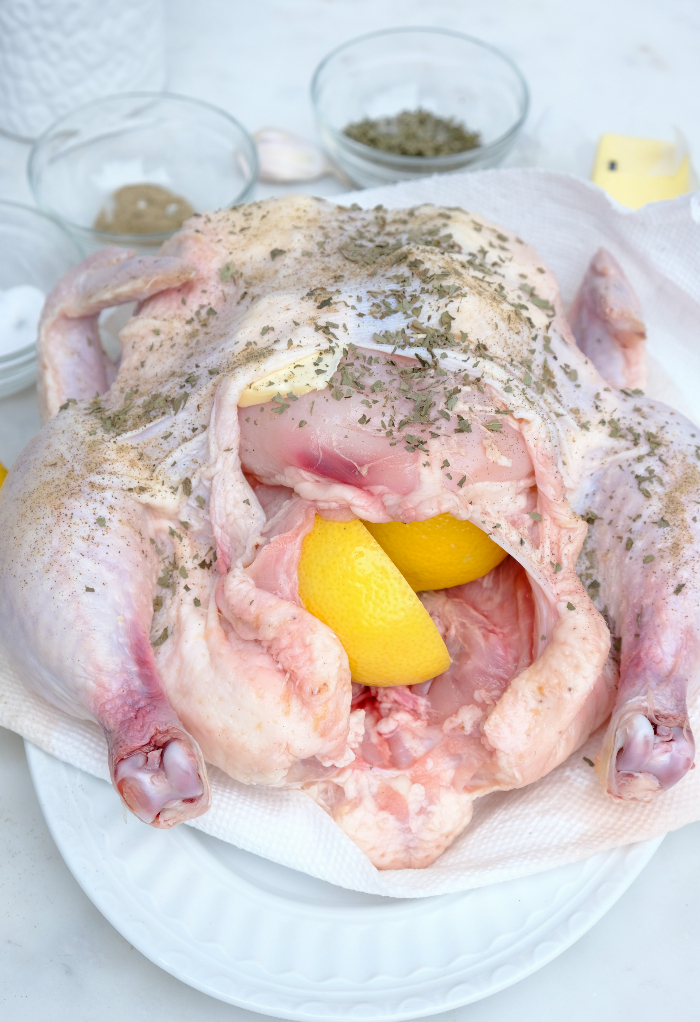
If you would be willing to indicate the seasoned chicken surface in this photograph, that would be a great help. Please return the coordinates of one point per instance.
(150, 535)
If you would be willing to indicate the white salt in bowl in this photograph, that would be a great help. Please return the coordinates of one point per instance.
(35, 251)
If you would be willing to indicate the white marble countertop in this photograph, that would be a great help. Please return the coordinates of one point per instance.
(626, 66)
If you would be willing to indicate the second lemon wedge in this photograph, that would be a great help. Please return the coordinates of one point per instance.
(438, 553)
(348, 582)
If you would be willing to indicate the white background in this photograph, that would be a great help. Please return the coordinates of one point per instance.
(628, 66)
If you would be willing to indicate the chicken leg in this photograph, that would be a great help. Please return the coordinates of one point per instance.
(650, 596)
(82, 562)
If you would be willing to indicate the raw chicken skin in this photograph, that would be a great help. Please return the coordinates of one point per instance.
(410, 789)
(160, 510)
(649, 599)
(606, 321)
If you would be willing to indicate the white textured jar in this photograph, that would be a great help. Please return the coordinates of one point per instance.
(58, 54)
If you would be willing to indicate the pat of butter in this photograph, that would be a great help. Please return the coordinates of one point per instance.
(312, 372)
(640, 170)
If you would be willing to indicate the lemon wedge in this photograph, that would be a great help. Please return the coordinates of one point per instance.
(348, 582)
(3, 473)
(311, 372)
(439, 552)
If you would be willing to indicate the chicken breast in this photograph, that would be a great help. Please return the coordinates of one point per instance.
(293, 358)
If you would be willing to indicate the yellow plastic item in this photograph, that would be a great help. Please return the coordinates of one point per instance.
(3, 473)
(348, 582)
(640, 170)
(439, 553)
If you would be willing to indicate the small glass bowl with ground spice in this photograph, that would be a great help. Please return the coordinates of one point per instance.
(129, 169)
(404, 103)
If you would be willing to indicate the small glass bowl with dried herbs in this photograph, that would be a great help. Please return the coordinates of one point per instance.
(129, 169)
(408, 102)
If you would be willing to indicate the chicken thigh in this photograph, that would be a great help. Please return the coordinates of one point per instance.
(294, 358)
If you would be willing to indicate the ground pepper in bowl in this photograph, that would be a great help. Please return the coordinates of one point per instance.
(143, 209)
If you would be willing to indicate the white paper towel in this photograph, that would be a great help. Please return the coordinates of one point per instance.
(59, 54)
(565, 816)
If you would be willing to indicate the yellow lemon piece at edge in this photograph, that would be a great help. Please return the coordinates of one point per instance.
(3, 473)
(348, 582)
(438, 553)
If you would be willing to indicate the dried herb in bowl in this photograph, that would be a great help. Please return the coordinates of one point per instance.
(414, 133)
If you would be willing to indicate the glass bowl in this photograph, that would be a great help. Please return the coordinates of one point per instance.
(445, 73)
(35, 251)
(193, 149)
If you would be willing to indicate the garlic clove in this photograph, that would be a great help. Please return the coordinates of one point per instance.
(285, 157)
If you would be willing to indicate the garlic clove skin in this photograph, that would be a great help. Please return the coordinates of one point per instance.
(285, 157)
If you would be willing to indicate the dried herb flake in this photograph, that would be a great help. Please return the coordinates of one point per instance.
(161, 638)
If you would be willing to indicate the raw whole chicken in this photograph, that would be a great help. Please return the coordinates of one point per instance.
(150, 533)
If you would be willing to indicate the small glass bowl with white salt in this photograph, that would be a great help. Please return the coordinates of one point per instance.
(35, 252)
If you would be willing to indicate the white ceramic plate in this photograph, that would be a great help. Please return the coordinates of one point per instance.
(276, 941)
